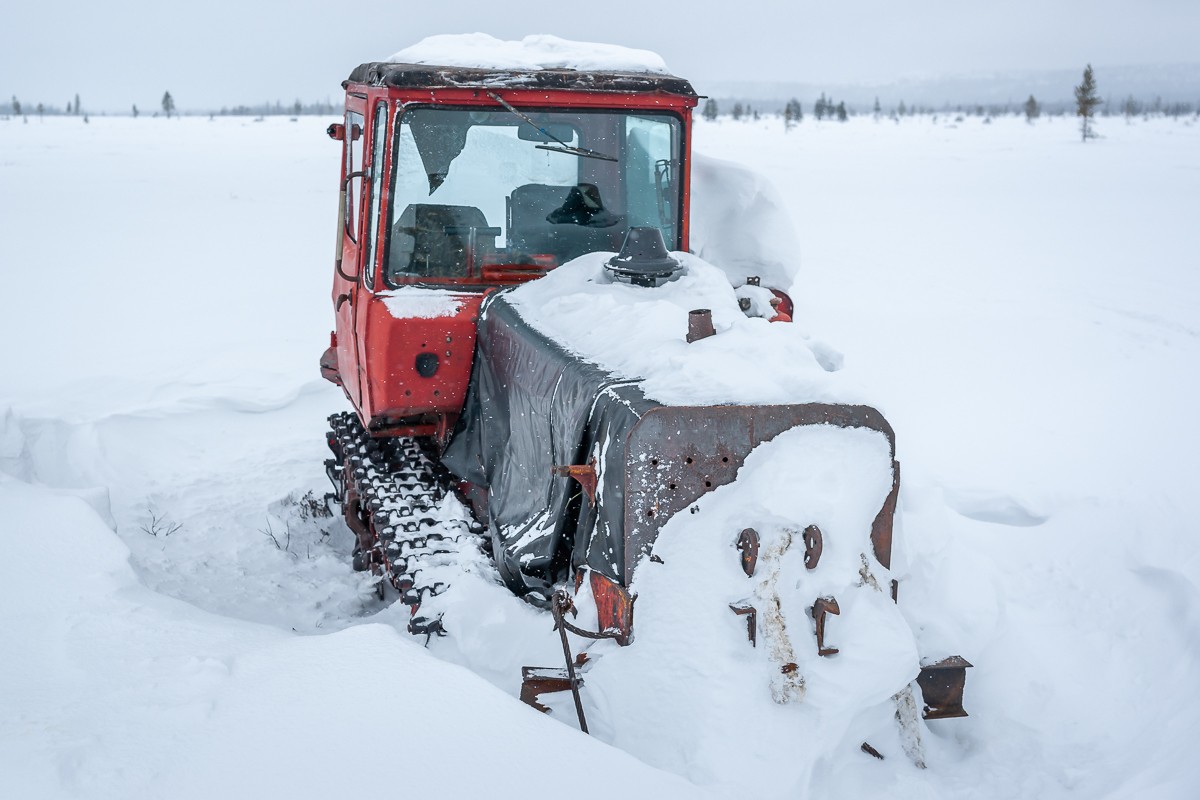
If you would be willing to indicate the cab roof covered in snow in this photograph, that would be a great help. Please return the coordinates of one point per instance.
(428, 76)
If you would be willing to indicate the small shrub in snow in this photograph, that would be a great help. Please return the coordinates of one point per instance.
(286, 544)
(160, 523)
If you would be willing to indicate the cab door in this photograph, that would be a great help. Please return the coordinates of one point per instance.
(346, 282)
(368, 311)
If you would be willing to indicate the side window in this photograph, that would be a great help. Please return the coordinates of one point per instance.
(354, 131)
(651, 174)
(375, 177)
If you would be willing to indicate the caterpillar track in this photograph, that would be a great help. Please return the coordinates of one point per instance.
(411, 529)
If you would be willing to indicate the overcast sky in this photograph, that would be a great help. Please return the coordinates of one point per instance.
(213, 53)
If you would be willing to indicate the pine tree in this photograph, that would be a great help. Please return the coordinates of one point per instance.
(16, 106)
(77, 106)
(41, 109)
(1032, 109)
(1086, 101)
(877, 110)
(841, 111)
(297, 108)
(819, 108)
(710, 109)
(792, 113)
(168, 104)
(737, 111)
(135, 111)
(903, 109)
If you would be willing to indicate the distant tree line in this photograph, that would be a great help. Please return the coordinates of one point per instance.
(1087, 105)
(74, 107)
(1130, 107)
(793, 111)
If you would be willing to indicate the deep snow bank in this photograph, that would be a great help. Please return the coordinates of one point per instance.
(111, 690)
(1040, 385)
(741, 223)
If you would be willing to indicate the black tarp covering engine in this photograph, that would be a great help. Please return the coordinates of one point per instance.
(531, 406)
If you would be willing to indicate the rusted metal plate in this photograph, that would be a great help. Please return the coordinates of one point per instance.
(942, 685)
(676, 454)
(881, 528)
(536, 681)
(614, 607)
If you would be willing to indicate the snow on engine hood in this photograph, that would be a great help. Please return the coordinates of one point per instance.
(541, 51)
(640, 333)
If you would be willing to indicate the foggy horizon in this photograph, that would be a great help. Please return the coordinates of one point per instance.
(227, 54)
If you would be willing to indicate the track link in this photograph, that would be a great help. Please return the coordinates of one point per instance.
(411, 528)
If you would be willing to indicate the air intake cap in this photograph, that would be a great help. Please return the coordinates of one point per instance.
(643, 260)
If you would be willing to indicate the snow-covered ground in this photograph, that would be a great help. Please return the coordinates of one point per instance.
(1024, 309)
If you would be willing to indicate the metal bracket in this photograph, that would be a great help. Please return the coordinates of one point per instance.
(537, 681)
(584, 473)
(823, 606)
(751, 615)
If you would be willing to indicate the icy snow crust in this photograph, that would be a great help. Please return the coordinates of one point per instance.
(1040, 384)
(640, 333)
(481, 51)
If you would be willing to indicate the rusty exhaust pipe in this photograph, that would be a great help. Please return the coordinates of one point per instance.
(700, 325)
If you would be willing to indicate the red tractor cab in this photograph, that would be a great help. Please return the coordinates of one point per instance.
(456, 181)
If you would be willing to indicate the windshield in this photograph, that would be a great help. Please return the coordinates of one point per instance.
(474, 188)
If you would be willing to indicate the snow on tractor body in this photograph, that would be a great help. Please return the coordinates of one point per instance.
(456, 183)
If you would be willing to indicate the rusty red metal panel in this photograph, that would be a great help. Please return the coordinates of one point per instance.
(614, 607)
(677, 454)
(881, 528)
(942, 685)
(536, 681)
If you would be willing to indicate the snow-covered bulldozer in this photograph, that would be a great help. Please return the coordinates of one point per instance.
(543, 376)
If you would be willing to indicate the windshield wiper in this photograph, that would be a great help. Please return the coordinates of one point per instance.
(582, 152)
(563, 147)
